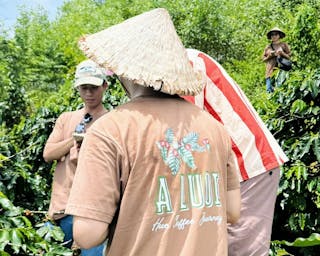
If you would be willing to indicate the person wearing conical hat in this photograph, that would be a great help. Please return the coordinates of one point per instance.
(156, 176)
(259, 156)
(272, 51)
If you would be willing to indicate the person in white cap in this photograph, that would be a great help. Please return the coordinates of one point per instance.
(273, 50)
(65, 139)
(258, 154)
(156, 176)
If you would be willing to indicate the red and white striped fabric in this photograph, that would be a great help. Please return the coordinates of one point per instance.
(256, 149)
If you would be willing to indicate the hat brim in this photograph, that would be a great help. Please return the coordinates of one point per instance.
(147, 50)
(282, 34)
(88, 80)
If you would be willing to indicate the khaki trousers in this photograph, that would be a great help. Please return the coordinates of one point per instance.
(251, 235)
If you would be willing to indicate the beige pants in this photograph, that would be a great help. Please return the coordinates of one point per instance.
(251, 235)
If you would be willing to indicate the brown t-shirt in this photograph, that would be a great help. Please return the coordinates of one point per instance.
(272, 62)
(157, 170)
(65, 168)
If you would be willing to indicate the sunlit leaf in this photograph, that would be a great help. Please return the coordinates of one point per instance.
(312, 240)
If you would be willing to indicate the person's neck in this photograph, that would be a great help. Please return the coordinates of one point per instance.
(94, 111)
(135, 91)
(144, 93)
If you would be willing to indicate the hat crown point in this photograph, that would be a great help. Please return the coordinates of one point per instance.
(146, 49)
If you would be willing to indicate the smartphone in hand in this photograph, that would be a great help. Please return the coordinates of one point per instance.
(78, 136)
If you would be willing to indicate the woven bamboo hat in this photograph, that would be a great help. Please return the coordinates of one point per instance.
(147, 50)
(276, 29)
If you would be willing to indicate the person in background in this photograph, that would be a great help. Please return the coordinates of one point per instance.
(272, 51)
(156, 176)
(258, 155)
(65, 140)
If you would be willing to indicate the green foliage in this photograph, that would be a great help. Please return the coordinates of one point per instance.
(115, 95)
(313, 240)
(305, 35)
(10, 79)
(24, 177)
(306, 243)
(44, 66)
(202, 25)
(295, 121)
(18, 237)
(7, 49)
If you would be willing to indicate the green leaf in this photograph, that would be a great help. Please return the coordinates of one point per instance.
(15, 238)
(306, 147)
(21, 221)
(314, 88)
(316, 148)
(2, 253)
(298, 106)
(5, 202)
(42, 231)
(4, 238)
(57, 234)
(312, 240)
(311, 185)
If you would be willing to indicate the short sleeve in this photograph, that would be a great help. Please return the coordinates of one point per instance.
(286, 49)
(265, 51)
(95, 192)
(58, 129)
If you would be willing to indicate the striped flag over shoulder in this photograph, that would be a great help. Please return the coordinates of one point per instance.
(255, 148)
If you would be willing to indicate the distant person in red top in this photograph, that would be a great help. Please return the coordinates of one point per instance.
(258, 155)
(272, 51)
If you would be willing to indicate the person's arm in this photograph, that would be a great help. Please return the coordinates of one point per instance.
(283, 54)
(233, 189)
(57, 146)
(95, 193)
(56, 150)
(233, 205)
(98, 231)
(286, 51)
(267, 54)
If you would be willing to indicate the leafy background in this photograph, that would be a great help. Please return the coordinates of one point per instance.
(36, 74)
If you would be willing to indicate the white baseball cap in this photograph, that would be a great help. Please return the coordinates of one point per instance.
(89, 72)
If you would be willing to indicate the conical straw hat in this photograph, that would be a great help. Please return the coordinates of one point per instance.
(147, 50)
(276, 29)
